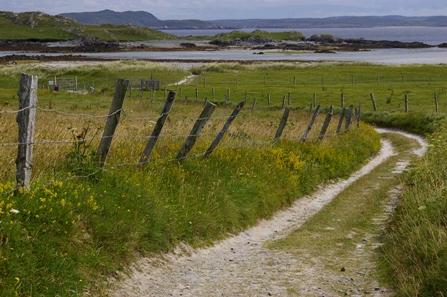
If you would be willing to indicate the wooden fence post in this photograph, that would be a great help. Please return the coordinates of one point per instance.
(228, 95)
(145, 157)
(288, 98)
(282, 124)
(224, 130)
(340, 120)
(283, 102)
(348, 121)
(213, 93)
(269, 99)
(26, 120)
(326, 123)
(112, 120)
(373, 101)
(310, 125)
(197, 94)
(406, 102)
(253, 105)
(314, 103)
(357, 115)
(198, 126)
(435, 97)
(342, 100)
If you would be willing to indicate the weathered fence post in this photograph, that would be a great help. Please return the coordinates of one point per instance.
(245, 97)
(145, 157)
(253, 105)
(197, 94)
(348, 121)
(357, 115)
(340, 120)
(283, 102)
(435, 97)
(406, 102)
(326, 123)
(26, 120)
(224, 130)
(269, 99)
(373, 101)
(112, 120)
(314, 102)
(228, 95)
(310, 125)
(282, 124)
(288, 98)
(342, 100)
(213, 93)
(198, 126)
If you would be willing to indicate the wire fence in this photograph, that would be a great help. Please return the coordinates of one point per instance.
(26, 118)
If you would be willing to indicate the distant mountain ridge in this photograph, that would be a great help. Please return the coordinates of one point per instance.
(136, 18)
(146, 19)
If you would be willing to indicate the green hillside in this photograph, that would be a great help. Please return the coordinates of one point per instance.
(40, 26)
(257, 36)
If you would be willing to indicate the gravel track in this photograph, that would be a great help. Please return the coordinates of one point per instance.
(241, 265)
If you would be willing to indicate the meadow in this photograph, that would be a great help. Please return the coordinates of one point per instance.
(79, 224)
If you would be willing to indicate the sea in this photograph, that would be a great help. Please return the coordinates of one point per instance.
(429, 35)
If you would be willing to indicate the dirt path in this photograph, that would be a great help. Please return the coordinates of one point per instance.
(243, 265)
(185, 81)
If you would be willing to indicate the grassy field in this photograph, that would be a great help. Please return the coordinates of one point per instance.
(38, 26)
(327, 82)
(79, 224)
(110, 217)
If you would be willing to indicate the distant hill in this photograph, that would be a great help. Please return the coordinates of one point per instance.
(146, 19)
(43, 27)
(137, 18)
(336, 22)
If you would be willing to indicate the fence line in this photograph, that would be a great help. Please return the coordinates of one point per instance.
(27, 116)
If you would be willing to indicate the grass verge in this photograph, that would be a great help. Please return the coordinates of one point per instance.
(56, 239)
(414, 257)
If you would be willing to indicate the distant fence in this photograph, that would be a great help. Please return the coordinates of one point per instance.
(28, 108)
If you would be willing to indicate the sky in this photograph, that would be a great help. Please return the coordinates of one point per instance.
(237, 9)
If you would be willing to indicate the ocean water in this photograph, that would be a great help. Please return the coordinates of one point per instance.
(429, 35)
(380, 56)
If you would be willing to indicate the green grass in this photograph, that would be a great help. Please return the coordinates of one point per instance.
(69, 232)
(418, 226)
(20, 27)
(39, 26)
(327, 82)
(414, 257)
(333, 235)
(123, 33)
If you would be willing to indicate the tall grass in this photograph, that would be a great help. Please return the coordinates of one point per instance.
(67, 234)
(414, 257)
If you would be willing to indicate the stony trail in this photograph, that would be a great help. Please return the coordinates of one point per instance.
(242, 265)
